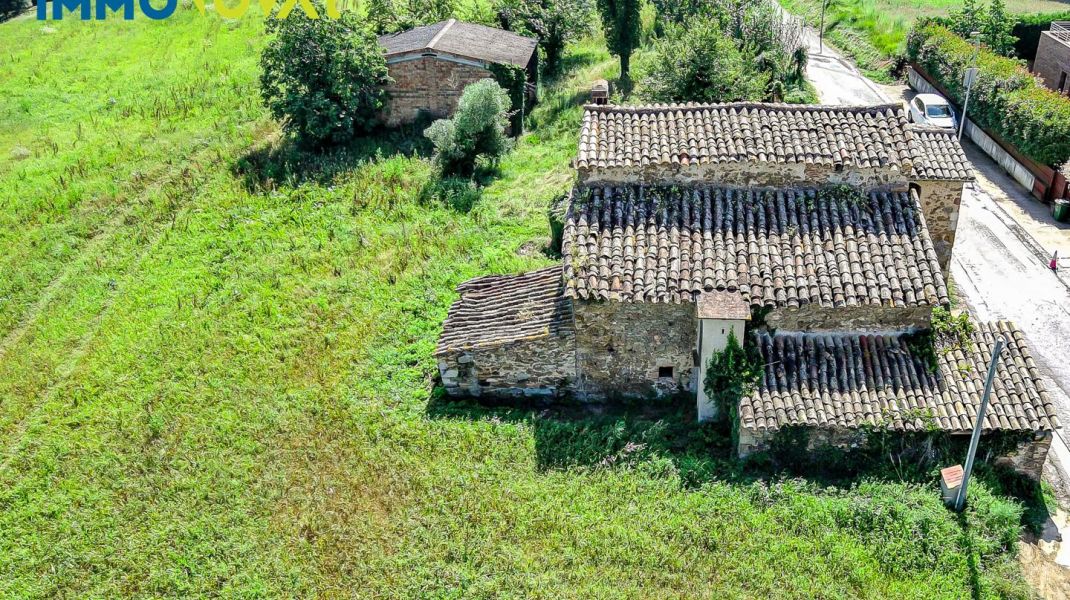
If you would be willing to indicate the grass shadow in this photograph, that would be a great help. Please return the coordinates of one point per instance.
(283, 162)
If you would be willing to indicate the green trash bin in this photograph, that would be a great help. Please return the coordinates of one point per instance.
(1060, 209)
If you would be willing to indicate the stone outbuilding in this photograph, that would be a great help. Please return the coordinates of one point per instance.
(804, 230)
(431, 65)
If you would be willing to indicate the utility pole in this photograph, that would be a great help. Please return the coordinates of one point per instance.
(971, 74)
(821, 32)
(960, 500)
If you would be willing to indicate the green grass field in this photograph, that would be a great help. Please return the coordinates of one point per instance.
(216, 374)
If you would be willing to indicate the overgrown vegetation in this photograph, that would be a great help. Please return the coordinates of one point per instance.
(727, 52)
(554, 23)
(392, 16)
(476, 130)
(12, 8)
(1005, 99)
(732, 374)
(323, 78)
(216, 370)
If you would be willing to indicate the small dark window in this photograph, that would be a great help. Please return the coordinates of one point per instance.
(665, 372)
(1062, 83)
(483, 382)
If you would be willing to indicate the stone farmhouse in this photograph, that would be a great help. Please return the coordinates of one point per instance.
(431, 65)
(824, 233)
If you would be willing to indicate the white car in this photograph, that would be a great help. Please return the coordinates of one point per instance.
(933, 110)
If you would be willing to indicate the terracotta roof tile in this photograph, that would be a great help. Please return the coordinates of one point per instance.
(847, 380)
(469, 40)
(625, 136)
(500, 309)
(775, 247)
(936, 154)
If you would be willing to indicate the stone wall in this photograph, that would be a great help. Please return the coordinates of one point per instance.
(427, 84)
(745, 174)
(622, 346)
(539, 367)
(850, 318)
(940, 201)
(1028, 459)
(1030, 456)
(1053, 59)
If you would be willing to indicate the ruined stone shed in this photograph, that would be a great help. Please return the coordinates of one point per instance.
(835, 384)
(431, 65)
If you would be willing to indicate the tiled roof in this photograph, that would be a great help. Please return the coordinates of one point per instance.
(846, 380)
(722, 305)
(499, 309)
(462, 39)
(776, 247)
(626, 136)
(936, 154)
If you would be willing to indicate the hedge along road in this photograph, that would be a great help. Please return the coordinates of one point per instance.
(998, 275)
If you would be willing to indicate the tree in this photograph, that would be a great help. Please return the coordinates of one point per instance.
(996, 30)
(323, 78)
(621, 23)
(12, 8)
(969, 19)
(700, 63)
(554, 22)
(392, 16)
(476, 129)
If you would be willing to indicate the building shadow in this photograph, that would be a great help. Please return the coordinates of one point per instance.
(606, 435)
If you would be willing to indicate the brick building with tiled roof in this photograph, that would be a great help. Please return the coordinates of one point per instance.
(832, 226)
(431, 65)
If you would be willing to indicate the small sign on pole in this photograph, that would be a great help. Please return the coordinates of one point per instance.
(969, 77)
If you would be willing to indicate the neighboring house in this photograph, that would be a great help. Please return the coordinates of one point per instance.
(1052, 63)
(432, 65)
(827, 229)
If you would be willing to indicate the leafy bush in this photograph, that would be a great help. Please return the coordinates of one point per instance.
(1005, 99)
(994, 25)
(750, 54)
(700, 63)
(553, 22)
(392, 16)
(731, 374)
(12, 8)
(476, 129)
(323, 77)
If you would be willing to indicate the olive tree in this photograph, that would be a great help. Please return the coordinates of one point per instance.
(477, 129)
(323, 78)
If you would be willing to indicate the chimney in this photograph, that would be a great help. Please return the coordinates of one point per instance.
(600, 92)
